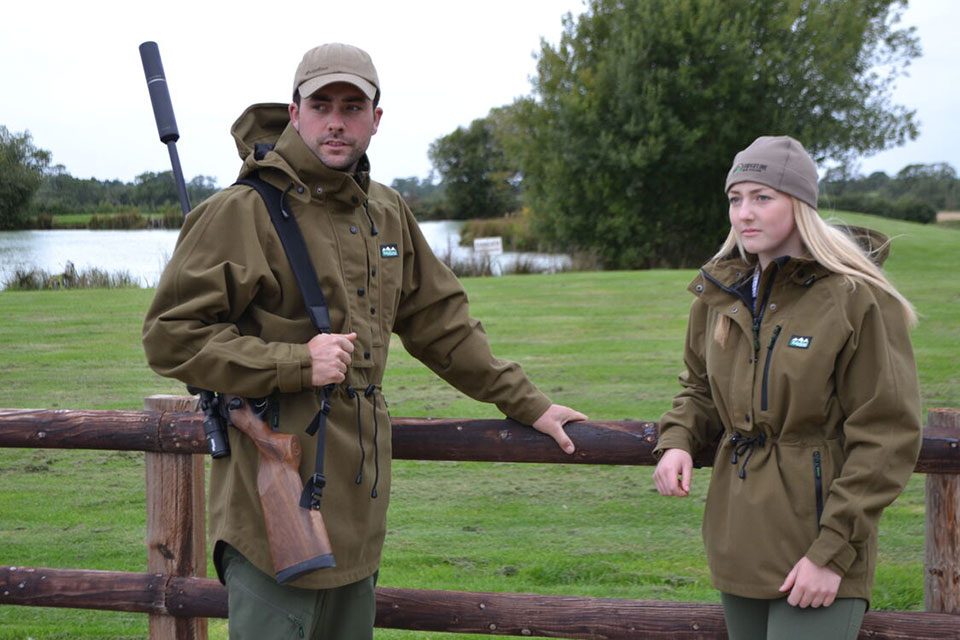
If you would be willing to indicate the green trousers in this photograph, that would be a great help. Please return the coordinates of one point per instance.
(261, 609)
(753, 619)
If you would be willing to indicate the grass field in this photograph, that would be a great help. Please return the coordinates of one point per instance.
(607, 343)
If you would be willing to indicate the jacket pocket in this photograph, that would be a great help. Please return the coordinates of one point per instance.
(766, 368)
(818, 485)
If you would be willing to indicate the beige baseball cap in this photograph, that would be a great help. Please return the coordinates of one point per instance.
(336, 62)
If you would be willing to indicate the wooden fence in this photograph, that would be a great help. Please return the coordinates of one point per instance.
(179, 599)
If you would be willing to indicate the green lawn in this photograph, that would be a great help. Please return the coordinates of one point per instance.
(607, 343)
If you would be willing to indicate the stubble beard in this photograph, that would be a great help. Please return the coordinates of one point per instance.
(338, 161)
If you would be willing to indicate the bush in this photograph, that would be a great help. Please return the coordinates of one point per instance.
(172, 220)
(127, 220)
(914, 209)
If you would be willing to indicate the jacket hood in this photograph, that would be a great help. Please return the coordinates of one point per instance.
(875, 244)
(259, 124)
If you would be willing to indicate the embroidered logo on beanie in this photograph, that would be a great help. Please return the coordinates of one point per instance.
(756, 168)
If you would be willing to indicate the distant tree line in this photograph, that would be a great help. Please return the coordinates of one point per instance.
(916, 193)
(60, 193)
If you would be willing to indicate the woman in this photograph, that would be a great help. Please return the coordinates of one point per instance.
(799, 365)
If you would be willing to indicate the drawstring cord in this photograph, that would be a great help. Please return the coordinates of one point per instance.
(352, 393)
(369, 392)
(743, 445)
(373, 225)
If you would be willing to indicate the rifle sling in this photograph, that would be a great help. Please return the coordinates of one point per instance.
(296, 249)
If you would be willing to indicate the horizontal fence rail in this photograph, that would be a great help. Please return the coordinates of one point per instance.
(485, 440)
(506, 614)
(178, 598)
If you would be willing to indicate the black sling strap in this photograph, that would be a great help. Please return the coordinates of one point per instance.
(296, 249)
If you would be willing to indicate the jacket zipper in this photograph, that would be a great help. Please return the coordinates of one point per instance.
(766, 368)
(818, 485)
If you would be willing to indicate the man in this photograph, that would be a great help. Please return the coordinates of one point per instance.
(228, 316)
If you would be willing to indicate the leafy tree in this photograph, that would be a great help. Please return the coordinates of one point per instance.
(937, 183)
(478, 182)
(198, 189)
(640, 108)
(21, 171)
(424, 196)
(876, 181)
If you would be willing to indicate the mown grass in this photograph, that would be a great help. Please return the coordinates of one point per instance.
(607, 343)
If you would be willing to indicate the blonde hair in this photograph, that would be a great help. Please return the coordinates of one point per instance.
(830, 245)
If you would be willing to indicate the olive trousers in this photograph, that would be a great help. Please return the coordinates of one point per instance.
(753, 619)
(261, 609)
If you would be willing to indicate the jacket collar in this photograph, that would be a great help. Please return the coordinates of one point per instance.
(310, 177)
(717, 281)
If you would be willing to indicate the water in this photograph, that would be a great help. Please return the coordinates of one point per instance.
(143, 254)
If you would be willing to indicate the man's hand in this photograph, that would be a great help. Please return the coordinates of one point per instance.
(672, 475)
(810, 585)
(330, 355)
(552, 421)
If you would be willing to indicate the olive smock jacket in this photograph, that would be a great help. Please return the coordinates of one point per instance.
(228, 316)
(817, 415)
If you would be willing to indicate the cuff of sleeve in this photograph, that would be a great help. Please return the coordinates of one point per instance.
(672, 439)
(295, 375)
(830, 549)
(529, 410)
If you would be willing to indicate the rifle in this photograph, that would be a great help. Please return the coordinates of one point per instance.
(297, 536)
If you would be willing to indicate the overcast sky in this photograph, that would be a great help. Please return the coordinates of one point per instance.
(72, 76)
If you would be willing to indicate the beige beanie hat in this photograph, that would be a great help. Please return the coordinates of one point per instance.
(779, 162)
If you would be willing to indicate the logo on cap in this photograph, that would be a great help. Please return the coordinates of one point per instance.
(750, 166)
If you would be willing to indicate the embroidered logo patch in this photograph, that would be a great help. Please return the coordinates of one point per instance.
(800, 342)
(389, 251)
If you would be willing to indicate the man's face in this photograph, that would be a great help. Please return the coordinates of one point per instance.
(336, 122)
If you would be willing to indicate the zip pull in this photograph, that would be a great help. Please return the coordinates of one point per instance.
(766, 368)
(818, 485)
(773, 338)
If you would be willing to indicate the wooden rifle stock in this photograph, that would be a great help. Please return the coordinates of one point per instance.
(297, 537)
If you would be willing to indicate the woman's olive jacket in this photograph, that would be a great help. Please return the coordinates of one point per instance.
(814, 403)
(228, 316)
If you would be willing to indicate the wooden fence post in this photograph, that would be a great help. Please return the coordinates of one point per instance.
(941, 582)
(176, 541)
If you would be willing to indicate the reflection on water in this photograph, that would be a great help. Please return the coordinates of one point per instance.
(143, 254)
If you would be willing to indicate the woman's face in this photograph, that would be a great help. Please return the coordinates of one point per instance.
(762, 218)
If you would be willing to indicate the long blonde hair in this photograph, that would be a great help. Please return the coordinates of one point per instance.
(830, 245)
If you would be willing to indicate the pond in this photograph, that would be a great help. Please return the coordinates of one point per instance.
(143, 254)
